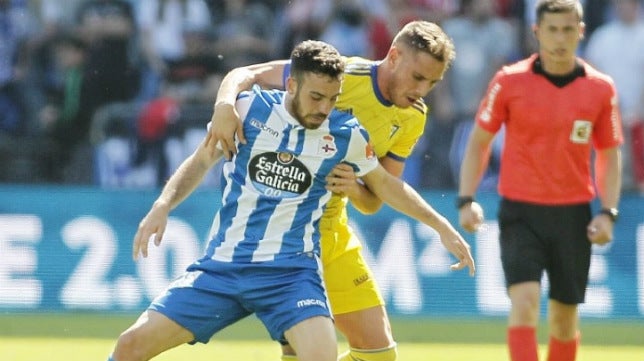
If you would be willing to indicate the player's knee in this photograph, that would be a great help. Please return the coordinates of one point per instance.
(383, 354)
(129, 347)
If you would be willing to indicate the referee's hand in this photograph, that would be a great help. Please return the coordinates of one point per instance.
(600, 230)
(471, 216)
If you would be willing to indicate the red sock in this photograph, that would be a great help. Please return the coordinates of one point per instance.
(563, 350)
(522, 342)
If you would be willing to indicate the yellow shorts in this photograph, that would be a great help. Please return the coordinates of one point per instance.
(349, 281)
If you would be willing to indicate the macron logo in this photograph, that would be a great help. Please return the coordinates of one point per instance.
(310, 302)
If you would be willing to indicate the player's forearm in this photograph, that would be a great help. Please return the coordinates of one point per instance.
(365, 201)
(267, 75)
(403, 198)
(474, 163)
(186, 178)
(236, 81)
(608, 169)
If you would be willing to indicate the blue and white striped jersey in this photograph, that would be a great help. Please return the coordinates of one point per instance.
(274, 191)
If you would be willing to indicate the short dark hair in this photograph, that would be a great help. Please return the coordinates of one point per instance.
(558, 6)
(316, 57)
(427, 37)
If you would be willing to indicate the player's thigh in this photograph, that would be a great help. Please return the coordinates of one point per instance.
(289, 292)
(202, 302)
(313, 339)
(151, 334)
(524, 254)
(367, 329)
(570, 255)
(350, 283)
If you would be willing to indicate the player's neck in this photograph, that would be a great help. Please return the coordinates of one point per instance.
(383, 75)
(558, 67)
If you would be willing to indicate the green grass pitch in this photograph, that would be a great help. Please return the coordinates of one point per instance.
(70, 337)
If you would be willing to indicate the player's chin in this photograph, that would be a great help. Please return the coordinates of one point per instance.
(405, 102)
(312, 125)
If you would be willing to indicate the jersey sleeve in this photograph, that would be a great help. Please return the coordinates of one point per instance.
(243, 104)
(286, 73)
(607, 132)
(492, 110)
(360, 154)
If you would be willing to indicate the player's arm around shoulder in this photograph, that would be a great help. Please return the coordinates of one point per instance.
(226, 124)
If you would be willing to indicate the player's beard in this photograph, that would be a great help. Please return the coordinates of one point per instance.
(298, 114)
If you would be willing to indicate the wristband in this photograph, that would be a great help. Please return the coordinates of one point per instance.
(463, 201)
(612, 213)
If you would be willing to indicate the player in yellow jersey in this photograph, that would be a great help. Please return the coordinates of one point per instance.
(387, 98)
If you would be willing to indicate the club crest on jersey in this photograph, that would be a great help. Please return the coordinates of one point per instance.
(327, 146)
(279, 175)
(581, 131)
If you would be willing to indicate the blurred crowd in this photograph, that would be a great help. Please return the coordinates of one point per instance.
(116, 93)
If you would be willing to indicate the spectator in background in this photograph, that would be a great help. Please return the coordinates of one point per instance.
(244, 33)
(66, 117)
(162, 28)
(431, 10)
(380, 26)
(55, 18)
(297, 21)
(484, 42)
(190, 80)
(108, 28)
(16, 28)
(617, 48)
(596, 14)
(348, 29)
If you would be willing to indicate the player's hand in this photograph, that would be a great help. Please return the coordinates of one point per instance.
(343, 180)
(457, 246)
(225, 125)
(471, 216)
(154, 223)
(600, 229)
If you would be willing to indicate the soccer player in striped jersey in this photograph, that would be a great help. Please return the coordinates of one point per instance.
(387, 98)
(264, 249)
(557, 111)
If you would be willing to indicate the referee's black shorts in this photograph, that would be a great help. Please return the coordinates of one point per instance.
(537, 238)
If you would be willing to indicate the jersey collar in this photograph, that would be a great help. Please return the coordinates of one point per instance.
(559, 80)
(374, 84)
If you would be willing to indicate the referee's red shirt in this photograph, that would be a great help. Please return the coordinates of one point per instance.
(550, 131)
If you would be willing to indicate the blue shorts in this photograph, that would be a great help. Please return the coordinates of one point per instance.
(212, 295)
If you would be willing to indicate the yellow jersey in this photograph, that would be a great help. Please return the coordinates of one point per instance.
(393, 131)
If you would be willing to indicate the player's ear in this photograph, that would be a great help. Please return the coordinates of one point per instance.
(291, 85)
(392, 54)
(582, 30)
